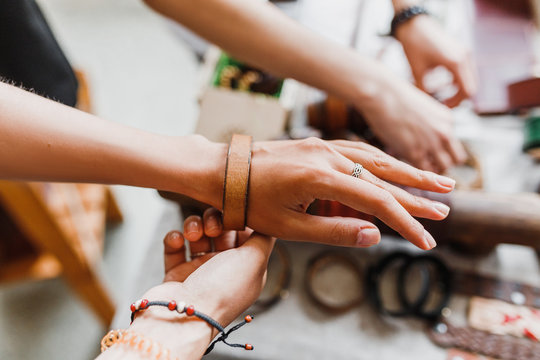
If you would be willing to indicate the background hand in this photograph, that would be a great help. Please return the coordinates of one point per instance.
(427, 46)
(414, 126)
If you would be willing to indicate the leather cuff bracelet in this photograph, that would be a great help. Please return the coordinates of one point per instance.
(236, 183)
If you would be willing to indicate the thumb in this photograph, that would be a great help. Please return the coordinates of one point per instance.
(259, 244)
(418, 74)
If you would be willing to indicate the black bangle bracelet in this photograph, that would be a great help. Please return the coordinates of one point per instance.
(405, 15)
(440, 278)
(374, 277)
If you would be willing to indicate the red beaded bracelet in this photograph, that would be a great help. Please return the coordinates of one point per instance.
(189, 310)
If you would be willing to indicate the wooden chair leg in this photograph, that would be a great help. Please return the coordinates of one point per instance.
(30, 213)
(113, 210)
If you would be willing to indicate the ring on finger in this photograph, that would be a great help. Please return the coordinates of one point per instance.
(357, 171)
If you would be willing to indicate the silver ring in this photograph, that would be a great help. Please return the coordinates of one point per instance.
(199, 254)
(357, 171)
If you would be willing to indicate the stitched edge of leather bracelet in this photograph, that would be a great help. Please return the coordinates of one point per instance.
(237, 175)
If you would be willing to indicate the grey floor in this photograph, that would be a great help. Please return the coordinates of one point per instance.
(141, 75)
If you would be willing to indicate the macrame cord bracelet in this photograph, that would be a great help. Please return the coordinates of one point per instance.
(189, 310)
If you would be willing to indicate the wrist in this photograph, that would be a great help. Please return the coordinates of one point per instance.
(374, 88)
(185, 337)
(196, 168)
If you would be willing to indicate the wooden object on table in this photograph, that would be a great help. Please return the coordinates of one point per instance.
(477, 223)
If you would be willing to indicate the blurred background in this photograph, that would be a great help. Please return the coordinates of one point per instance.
(137, 68)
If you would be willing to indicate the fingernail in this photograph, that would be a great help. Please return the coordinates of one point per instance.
(429, 240)
(368, 237)
(441, 208)
(445, 181)
(213, 223)
(192, 227)
(175, 240)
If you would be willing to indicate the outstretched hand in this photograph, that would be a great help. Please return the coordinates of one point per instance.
(287, 176)
(223, 282)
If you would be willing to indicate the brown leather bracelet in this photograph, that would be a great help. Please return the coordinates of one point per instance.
(504, 347)
(317, 264)
(236, 183)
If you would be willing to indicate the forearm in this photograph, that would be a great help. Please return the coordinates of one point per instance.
(43, 140)
(260, 34)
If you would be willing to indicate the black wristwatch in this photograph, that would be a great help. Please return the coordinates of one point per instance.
(405, 15)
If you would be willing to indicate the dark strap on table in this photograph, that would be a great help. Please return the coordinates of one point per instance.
(502, 347)
(473, 284)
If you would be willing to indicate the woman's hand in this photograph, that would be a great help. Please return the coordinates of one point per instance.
(427, 46)
(222, 284)
(287, 176)
(413, 126)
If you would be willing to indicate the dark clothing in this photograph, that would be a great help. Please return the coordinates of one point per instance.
(29, 54)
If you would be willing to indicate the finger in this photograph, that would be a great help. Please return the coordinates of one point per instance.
(335, 230)
(261, 243)
(225, 241)
(455, 99)
(443, 161)
(174, 250)
(456, 149)
(418, 74)
(173, 242)
(415, 205)
(213, 226)
(243, 236)
(193, 228)
(464, 76)
(370, 199)
(388, 168)
(203, 245)
(464, 80)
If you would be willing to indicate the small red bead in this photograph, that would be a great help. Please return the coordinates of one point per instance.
(144, 304)
(133, 308)
(190, 310)
(249, 347)
(248, 318)
(172, 305)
